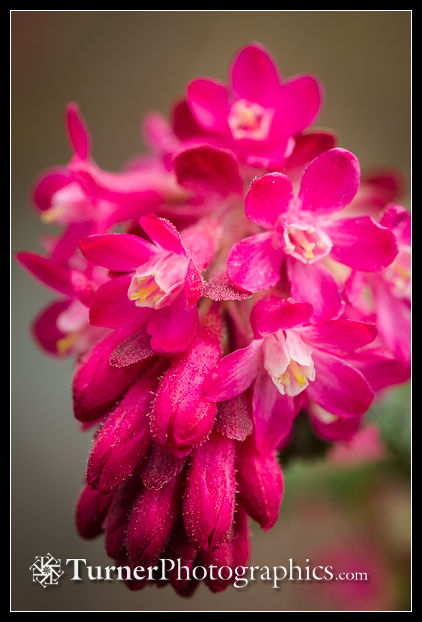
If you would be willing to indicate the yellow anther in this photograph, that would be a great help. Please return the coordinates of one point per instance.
(65, 343)
(297, 373)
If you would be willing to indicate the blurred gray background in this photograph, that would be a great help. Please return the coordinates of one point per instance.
(118, 66)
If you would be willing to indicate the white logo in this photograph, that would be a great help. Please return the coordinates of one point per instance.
(46, 570)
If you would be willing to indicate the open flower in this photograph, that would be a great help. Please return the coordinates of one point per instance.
(301, 232)
(288, 357)
(257, 114)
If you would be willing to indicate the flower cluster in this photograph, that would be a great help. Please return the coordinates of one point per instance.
(240, 273)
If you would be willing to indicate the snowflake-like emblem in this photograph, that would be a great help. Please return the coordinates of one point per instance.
(46, 570)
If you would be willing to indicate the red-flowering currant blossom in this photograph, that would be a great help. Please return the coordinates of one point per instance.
(212, 290)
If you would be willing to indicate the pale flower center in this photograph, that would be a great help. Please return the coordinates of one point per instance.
(249, 120)
(306, 243)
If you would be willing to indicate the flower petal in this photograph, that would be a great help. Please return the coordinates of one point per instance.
(234, 373)
(48, 272)
(271, 314)
(111, 307)
(78, 134)
(273, 413)
(162, 232)
(207, 99)
(338, 387)
(268, 197)
(299, 104)
(361, 243)
(340, 335)
(117, 251)
(330, 182)
(254, 75)
(314, 284)
(172, 328)
(207, 169)
(254, 263)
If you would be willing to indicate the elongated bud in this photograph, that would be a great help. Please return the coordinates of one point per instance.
(151, 523)
(124, 439)
(180, 548)
(91, 509)
(117, 519)
(221, 564)
(260, 483)
(97, 384)
(208, 505)
(181, 417)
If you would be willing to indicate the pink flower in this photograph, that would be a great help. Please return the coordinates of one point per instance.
(287, 358)
(301, 232)
(257, 113)
(390, 290)
(159, 275)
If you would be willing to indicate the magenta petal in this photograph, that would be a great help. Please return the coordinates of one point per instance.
(91, 509)
(207, 100)
(340, 335)
(151, 523)
(330, 181)
(299, 104)
(111, 307)
(208, 504)
(50, 273)
(254, 75)
(271, 314)
(172, 328)
(162, 232)
(254, 263)
(193, 284)
(268, 197)
(393, 320)
(117, 251)
(77, 131)
(123, 440)
(234, 373)
(260, 483)
(314, 284)
(207, 169)
(361, 243)
(273, 413)
(338, 387)
(380, 368)
(332, 428)
(44, 327)
(308, 146)
(47, 185)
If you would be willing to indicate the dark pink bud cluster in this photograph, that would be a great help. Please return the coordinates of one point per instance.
(240, 273)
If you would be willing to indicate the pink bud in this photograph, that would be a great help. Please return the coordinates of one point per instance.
(208, 505)
(124, 439)
(91, 509)
(181, 417)
(260, 483)
(116, 521)
(151, 523)
(96, 384)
